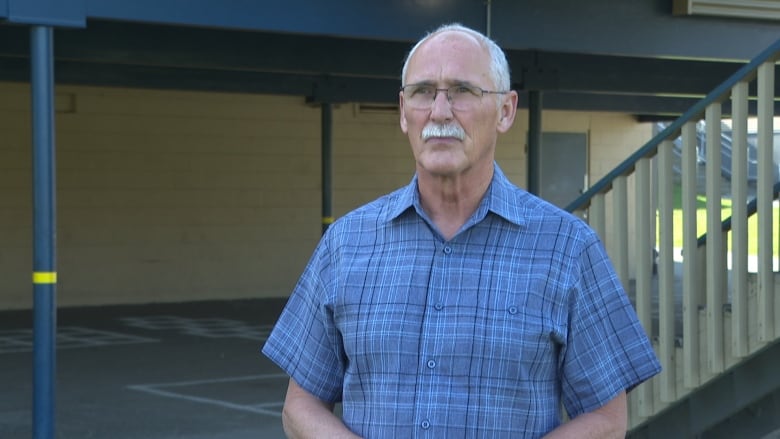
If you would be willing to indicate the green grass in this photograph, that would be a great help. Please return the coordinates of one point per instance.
(725, 212)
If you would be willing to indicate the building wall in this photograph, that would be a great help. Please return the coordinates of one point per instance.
(179, 196)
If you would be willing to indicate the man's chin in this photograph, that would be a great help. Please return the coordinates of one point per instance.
(442, 168)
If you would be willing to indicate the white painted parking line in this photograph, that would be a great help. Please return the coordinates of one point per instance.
(68, 337)
(272, 408)
(277, 405)
(209, 327)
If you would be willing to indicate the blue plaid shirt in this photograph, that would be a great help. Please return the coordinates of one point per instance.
(480, 336)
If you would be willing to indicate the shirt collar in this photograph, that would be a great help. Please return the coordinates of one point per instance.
(501, 198)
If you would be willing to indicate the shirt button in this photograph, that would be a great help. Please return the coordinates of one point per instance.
(512, 310)
(447, 250)
(438, 306)
(425, 424)
(431, 364)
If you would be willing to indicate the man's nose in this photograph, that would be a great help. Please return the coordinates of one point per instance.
(441, 108)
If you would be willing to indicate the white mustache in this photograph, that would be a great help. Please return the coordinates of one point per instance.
(441, 130)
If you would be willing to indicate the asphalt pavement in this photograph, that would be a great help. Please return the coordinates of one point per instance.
(159, 371)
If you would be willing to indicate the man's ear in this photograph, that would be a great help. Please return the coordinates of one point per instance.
(507, 111)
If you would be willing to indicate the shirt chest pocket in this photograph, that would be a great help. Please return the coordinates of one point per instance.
(508, 343)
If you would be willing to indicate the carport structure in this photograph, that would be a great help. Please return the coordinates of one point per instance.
(635, 57)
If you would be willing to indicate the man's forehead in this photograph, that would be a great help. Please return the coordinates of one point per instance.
(452, 56)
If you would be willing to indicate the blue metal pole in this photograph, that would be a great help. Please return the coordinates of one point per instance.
(327, 165)
(44, 232)
(534, 141)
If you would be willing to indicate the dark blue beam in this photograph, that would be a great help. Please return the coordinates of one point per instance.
(643, 28)
(167, 46)
(637, 27)
(66, 13)
(322, 88)
(164, 46)
(335, 69)
(392, 20)
(571, 71)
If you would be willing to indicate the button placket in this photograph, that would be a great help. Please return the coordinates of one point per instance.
(433, 330)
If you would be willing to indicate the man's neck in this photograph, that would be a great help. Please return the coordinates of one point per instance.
(450, 201)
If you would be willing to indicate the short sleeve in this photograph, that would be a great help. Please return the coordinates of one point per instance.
(607, 350)
(304, 342)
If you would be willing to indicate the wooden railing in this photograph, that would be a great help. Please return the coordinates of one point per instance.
(703, 316)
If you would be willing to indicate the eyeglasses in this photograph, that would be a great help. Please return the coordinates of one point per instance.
(461, 97)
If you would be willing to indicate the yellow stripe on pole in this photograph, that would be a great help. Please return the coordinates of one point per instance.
(327, 220)
(44, 277)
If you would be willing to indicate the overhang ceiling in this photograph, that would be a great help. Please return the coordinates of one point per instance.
(626, 56)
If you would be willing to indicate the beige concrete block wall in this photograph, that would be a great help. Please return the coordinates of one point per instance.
(371, 155)
(178, 196)
(15, 198)
(165, 196)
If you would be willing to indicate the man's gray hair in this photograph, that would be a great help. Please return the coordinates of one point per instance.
(499, 67)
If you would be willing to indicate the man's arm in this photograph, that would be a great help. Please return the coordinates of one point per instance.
(306, 416)
(608, 421)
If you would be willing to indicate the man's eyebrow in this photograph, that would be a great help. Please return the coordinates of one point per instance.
(432, 83)
(466, 83)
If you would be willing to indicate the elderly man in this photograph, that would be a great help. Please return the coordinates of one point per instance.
(459, 305)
